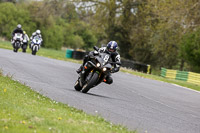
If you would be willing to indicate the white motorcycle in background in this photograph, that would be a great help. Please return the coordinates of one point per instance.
(35, 44)
(18, 38)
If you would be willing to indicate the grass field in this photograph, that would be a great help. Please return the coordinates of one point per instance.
(25, 111)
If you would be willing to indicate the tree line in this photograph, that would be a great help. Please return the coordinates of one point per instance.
(162, 33)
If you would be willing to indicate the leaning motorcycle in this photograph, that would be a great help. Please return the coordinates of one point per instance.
(18, 38)
(94, 72)
(35, 44)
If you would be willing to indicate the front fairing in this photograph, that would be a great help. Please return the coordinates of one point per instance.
(91, 66)
(18, 37)
(104, 59)
(37, 40)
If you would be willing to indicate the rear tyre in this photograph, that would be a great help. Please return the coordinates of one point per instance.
(24, 50)
(77, 86)
(90, 83)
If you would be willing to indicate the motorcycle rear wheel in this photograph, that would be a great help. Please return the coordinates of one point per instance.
(24, 50)
(90, 83)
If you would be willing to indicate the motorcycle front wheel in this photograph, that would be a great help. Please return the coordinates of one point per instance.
(33, 52)
(15, 50)
(77, 86)
(90, 83)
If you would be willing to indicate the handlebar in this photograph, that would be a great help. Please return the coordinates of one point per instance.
(96, 48)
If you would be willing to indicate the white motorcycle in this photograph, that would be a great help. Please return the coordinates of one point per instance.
(35, 44)
(18, 38)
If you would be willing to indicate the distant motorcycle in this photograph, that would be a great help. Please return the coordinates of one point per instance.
(94, 72)
(18, 38)
(35, 44)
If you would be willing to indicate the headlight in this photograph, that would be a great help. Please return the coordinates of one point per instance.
(98, 64)
(104, 69)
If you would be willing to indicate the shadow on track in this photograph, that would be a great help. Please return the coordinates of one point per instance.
(91, 94)
(97, 95)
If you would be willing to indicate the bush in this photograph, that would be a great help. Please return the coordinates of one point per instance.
(10, 16)
(53, 37)
(190, 49)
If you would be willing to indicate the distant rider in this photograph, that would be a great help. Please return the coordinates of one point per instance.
(17, 30)
(111, 48)
(26, 37)
(37, 33)
(25, 40)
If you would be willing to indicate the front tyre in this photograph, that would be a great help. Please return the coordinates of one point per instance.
(90, 83)
(15, 50)
(77, 86)
(33, 52)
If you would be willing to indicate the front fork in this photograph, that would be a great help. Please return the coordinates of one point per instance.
(86, 68)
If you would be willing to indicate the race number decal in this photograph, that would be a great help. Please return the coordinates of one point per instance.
(106, 58)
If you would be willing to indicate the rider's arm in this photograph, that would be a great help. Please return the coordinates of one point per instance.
(21, 31)
(116, 66)
(13, 32)
(31, 38)
(40, 36)
(27, 37)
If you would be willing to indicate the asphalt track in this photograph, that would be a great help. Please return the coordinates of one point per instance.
(140, 104)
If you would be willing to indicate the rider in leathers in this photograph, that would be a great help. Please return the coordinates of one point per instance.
(37, 33)
(17, 30)
(115, 57)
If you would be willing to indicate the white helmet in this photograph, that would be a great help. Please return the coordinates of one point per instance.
(19, 26)
(38, 32)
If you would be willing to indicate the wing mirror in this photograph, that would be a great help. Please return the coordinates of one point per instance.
(96, 48)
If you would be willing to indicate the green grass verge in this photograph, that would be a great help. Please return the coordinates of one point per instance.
(60, 54)
(159, 78)
(24, 111)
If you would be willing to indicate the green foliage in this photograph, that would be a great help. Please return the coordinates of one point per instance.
(74, 41)
(86, 34)
(53, 37)
(190, 49)
(10, 16)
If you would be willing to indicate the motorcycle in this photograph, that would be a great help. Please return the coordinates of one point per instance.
(35, 44)
(18, 38)
(94, 71)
